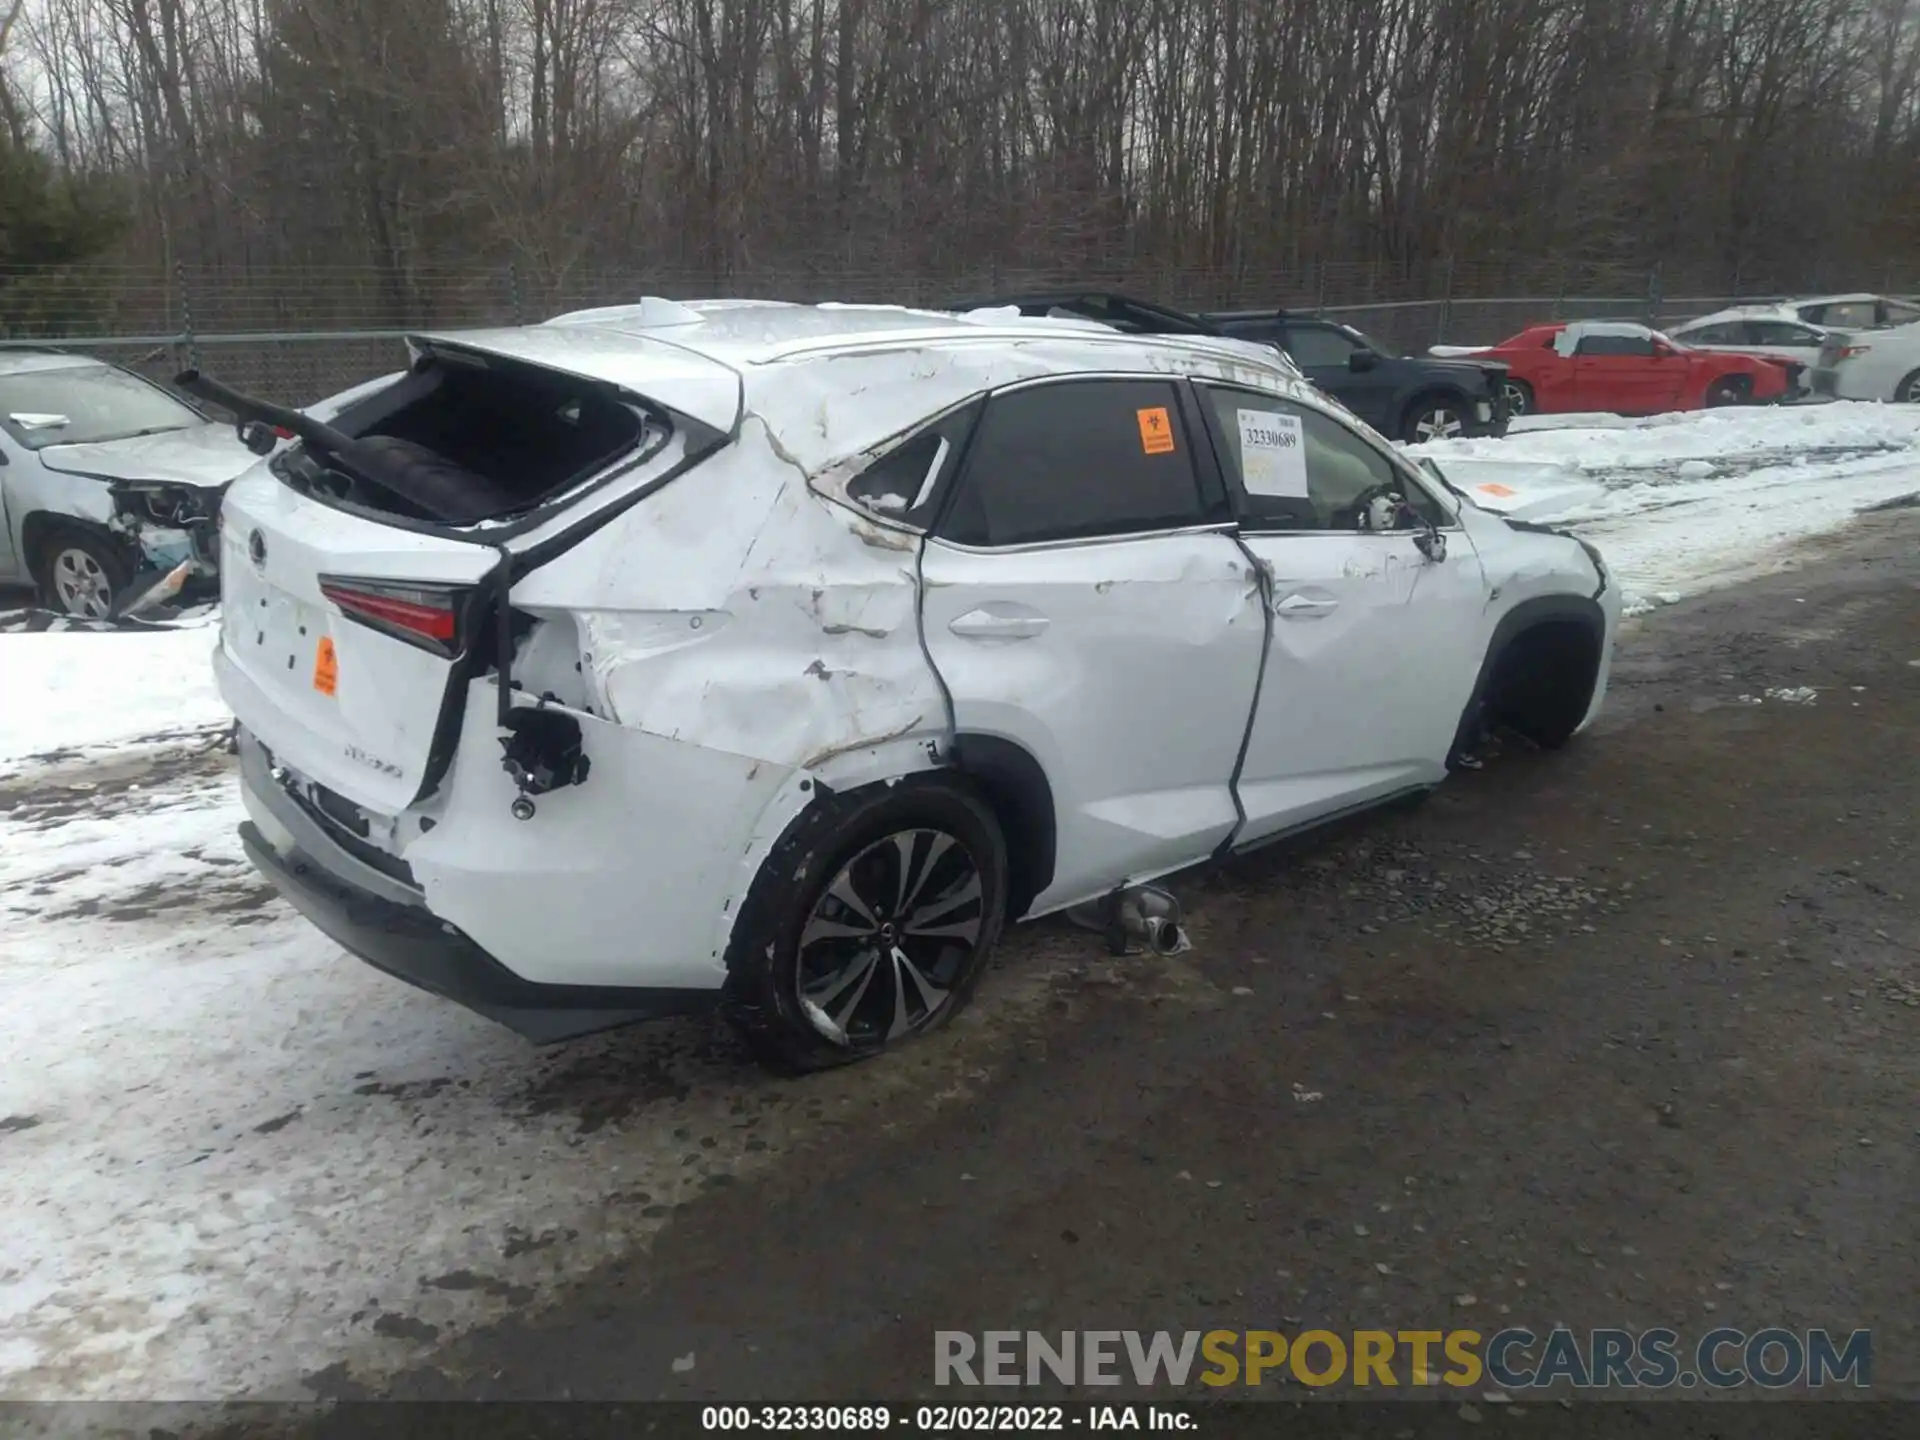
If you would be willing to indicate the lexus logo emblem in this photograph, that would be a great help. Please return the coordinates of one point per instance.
(257, 548)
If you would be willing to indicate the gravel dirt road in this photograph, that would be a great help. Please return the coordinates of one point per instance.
(1621, 1036)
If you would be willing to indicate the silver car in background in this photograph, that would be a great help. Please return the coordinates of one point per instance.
(108, 483)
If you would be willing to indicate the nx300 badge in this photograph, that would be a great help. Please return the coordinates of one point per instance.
(355, 753)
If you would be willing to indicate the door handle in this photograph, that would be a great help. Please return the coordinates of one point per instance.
(985, 625)
(1305, 607)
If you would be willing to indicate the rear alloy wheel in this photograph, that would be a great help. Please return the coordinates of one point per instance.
(81, 574)
(1907, 392)
(868, 925)
(1519, 397)
(1436, 420)
(888, 937)
(1730, 391)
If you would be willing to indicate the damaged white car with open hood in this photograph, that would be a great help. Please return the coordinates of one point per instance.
(109, 486)
(776, 656)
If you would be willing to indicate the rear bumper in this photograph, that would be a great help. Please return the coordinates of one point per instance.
(380, 919)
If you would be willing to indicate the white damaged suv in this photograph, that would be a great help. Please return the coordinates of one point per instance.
(775, 656)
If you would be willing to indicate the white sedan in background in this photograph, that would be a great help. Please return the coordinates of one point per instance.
(1870, 365)
(775, 656)
(1772, 331)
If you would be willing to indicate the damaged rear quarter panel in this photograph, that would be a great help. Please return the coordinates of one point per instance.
(738, 611)
(619, 876)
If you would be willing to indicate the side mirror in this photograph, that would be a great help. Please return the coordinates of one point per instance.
(259, 437)
(1432, 544)
(1362, 360)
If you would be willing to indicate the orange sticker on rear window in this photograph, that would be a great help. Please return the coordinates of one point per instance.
(326, 667)
(1496, 489)
(1156, 430)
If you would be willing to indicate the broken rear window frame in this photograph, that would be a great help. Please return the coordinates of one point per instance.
(659, 425)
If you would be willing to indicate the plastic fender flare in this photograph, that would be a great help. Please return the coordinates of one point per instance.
(799, 793)
(1541, 609)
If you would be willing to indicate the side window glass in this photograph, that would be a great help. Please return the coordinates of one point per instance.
(904, 485)
(1317, 345)
(1591, 345)
(1077, 459)
(1297, 469)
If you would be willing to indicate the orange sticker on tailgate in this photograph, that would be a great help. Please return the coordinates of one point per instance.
(326, 667)
(1156, 430)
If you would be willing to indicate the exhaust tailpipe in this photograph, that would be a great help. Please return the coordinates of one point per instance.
(1163, 936)
(1139, 917)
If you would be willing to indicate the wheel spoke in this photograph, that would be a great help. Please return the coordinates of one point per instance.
(940, 845)
(821, 928)
(931, 995)
(903, 852)
(902, 1022)
(843, 891)
(925, 922)
(862, 973)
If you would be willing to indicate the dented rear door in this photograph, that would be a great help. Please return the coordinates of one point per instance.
(1078, 604)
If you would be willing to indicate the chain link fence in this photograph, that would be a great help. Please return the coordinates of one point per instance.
(297, 334)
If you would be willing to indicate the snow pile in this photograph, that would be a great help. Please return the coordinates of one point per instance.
(75, 691)
(1687, 502)
(1612, 443)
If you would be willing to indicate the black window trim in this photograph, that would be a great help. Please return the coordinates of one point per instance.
(936, 486)
(1248, 524)
(1209, 489)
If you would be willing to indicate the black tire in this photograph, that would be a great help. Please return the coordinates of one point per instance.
(1519, 397)
(1427, 410)
(69, 557)
(851, 833)
(1731, 390)
(1907, 392)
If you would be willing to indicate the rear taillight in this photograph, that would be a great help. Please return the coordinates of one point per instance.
(1847, 352)
(423, 615)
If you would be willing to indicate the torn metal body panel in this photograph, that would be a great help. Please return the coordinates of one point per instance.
(759, 707)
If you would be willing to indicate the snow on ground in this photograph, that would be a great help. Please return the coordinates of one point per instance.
(1690, 502)
(233, 1159)
(224, 1145)
(79, 690)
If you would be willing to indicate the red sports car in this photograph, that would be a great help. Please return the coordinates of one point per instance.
(1628, 370)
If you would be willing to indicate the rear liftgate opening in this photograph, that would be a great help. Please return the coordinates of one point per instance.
(463, 438)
